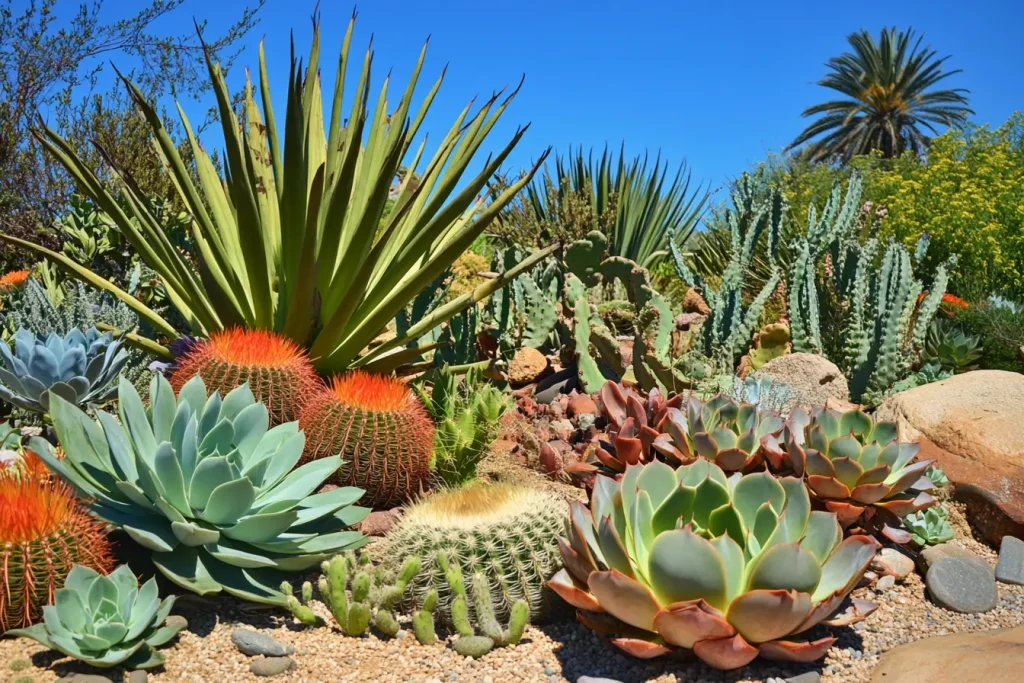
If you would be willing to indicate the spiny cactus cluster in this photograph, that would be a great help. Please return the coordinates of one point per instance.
(358, 596)
(381, 430)
(505, 531)
(278, 372)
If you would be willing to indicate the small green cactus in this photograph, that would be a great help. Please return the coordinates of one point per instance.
(301, 610)
(423, 620)
(473, 646)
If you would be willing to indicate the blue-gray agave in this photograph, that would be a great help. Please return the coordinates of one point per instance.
(80, 368)
(106, 620)
(203, 483)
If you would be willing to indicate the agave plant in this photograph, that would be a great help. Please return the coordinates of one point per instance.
(80, 367)
(951, 347)
(735, 436)
(728, 567)
(851, 462)
(300, 238)
(106, 620)
(202, 483)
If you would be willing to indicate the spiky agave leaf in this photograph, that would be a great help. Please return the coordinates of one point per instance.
(207, 486)
(727, 567)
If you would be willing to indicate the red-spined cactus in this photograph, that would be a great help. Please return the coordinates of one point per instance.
(381, 430)
(278, 371)
(44, 532)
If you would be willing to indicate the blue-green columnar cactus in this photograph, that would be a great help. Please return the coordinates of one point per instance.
(80, 368)
(106, 620)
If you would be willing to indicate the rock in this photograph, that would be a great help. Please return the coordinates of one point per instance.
(138, 676)
(562, 429)
(253, 643)
(561, 382)
(271, 666)
(989, 656)
(806, 677)
(962, 584)
(970, 424)
(527, 365)
(379, 522)
(892, 562)
(1010, 568)
(885, 583)
(927, 557)
(693, 302)
(581, 404)
(592, 679)
(813, 379)
(84, 678)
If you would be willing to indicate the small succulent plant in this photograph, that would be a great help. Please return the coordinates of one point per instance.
(729, 568)
(951, 347)
(735, 436)
(851, 462)
(106, 620)
(929, 527)
(80, 368)
(937, 476)
(206, 485)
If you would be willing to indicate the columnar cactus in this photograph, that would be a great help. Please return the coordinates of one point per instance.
(381, 430)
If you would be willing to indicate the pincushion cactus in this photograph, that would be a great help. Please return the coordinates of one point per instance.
(729, 568)
(80, 368)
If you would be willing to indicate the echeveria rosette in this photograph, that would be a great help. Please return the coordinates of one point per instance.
(850, 461)
(106, 621)
(727, 567)
(735, 436)
(80, 368)
(206, 486)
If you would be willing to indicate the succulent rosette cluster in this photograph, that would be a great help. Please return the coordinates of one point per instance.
(851, 462)
(728, 567)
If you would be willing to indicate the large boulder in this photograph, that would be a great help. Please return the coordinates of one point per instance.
(813, 379)
(971, 425)
(990, 656)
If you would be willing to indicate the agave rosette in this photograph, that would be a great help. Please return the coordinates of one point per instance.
(850, 461)
(735, 436)
(727, 567)
(205, 485)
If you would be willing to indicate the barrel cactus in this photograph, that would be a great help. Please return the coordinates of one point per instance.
(106, 621)
(381, 430)
(850, 461)
(80, 368)
(277, 371)
(505, 531)
(735, 436)
(726, 567)
(44, 532)
(205, 485)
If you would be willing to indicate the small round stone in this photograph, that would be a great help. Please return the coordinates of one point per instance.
(271, 666)
(962, 584)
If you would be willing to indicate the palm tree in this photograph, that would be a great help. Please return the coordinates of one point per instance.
(890, 101)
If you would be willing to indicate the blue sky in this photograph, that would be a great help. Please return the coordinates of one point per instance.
(720, 84)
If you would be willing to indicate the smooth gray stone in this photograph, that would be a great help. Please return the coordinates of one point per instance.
(253, 643)
(1010, 568)
(271, 666)
(138, 676)
(591, 679)
(962, 584)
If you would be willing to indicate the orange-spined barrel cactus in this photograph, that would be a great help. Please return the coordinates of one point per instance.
(44, 532)
(380, 429)
(278, 371)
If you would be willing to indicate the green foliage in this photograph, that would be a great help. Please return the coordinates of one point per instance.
(469, 644)
(106, 621)
(937, 476)
(640, 209)
(276, 213)
(80, 367)
(1001, 328)
(954, 350)
(506, 531)
(929, 527)
(888, 99)
(202, 483)
(466, 413)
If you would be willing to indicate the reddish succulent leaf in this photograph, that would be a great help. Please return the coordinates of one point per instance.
(725, 653)
(796, 651)
(641, 649)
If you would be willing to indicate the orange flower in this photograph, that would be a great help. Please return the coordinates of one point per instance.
(13, 280)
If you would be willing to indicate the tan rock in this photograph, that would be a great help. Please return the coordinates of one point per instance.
(813, 379)
(527, 365)
(989, 657)
(580, 404)
(971, 425)
(693, 302)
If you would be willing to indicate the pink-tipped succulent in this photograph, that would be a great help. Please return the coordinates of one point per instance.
(851, 462)
(730, 568)
(735, 436)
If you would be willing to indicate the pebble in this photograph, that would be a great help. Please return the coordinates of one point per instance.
(885, 583)
(893, 562)
(271, 666)
(253, 643)
(962, 584)
(806, 677)
(591, 679)
(934, 552)
(138, 676)
(1010, 568)
(85, 678)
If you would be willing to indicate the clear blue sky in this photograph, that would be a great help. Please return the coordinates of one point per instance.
(719, 83)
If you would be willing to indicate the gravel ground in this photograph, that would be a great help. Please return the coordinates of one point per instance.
(553, 653)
